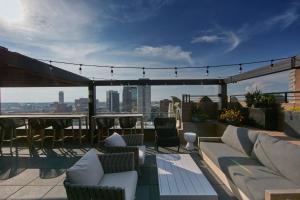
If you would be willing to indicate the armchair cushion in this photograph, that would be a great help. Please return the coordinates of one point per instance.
(115, 140)
(86, 171)
(125, 180)
(239, 138)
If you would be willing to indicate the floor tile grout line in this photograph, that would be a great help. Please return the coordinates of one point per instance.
(16, 191)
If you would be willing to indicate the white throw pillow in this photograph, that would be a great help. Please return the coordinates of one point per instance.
(115, 140)
(86, 171)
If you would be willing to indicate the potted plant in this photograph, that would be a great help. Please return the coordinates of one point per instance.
(292, 122)
(231, 116)
(251, 97)
(263, 110)
(197, 114)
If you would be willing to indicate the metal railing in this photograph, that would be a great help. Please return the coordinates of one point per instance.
(281, 97)
(186, 98)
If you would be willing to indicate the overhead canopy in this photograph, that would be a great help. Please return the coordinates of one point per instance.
(159, 82)
(285, 65)
(17, 70)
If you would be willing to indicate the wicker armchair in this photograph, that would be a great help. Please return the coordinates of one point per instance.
(135, 144)
(111, 163)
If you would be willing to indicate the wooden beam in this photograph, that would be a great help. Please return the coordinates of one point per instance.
(160, 82)
(17, 70)
(281, 66)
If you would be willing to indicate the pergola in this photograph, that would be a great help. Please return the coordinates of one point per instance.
(17, 70)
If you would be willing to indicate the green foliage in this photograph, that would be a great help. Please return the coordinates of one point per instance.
(205, 99)
(198, 115)
(252, 97)
(259, 100)
(265, 101)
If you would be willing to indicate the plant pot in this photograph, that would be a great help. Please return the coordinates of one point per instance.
(292, 124)
(265, 118)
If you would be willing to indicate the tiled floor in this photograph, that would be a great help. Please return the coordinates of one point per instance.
(40, 175)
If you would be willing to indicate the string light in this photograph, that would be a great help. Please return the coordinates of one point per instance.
(112, 71)
(241, 68)
(50, 63)
(166, 68)
(207, 72)
(272, 64)
(80, 68)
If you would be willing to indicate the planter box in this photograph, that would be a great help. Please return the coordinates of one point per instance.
(265, 118)
(292, 124)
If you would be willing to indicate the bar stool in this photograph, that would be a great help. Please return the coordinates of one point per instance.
(59, 126)
(37, 130)
(10, 126)
(103, 125)
(128, 123)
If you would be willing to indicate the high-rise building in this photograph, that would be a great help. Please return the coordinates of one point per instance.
(129, 98)
(61, 97)
(112, 101)
(144, 100)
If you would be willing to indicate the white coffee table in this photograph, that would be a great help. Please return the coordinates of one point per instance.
(180, 178)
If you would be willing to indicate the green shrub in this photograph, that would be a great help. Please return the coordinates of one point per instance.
(205, 99)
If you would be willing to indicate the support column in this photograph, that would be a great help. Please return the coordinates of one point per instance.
(223, 95)
(92, 103)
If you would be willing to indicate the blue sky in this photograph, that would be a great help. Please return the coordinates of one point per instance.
(151, 33)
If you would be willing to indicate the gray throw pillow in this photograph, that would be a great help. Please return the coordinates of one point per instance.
(239, 138)
(115, 140)
(86, 171)
(278, 155)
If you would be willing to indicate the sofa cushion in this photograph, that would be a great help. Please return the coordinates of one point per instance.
(241, 139)
(253, 180)
(224, 156)
(115, 140)
(278, 155)
(86, 171)
(126, 180)
(142, 151)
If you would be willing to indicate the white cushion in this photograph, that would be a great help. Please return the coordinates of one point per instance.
(115, 140)
(86, 171)
(126, 180)
(142, 151)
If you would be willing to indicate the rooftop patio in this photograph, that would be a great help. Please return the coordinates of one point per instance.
(39, 173)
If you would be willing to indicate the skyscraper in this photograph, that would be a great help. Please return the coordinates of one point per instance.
(144, 100)
(112, 101)
(61, 97)
(129, 98)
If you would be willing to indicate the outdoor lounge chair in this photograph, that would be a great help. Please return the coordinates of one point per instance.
(128, 123)
(59, 126)
(8, 130)
(166, 134)
(103, 125)
(135, 144)
(37, 130)
(102, 176)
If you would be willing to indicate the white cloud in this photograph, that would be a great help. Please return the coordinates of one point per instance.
(206, 39)
(222, 36)
(168, 52)
(285, 19)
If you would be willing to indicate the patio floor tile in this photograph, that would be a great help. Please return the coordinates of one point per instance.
(22, 178)
(8, 190)
(51, 181)
(31, 192)
(57, 193)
